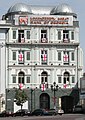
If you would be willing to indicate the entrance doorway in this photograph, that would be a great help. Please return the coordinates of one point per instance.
(44, 101)
(67, 103)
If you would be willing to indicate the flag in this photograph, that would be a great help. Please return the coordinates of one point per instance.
(22, 40)
(20, 57)
(65, 57)
(44, 56)
(43, 87)
(66, 40)
(44, 40)
(20, 86)
(65, 85)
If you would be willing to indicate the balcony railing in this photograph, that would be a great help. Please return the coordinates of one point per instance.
(22, 40)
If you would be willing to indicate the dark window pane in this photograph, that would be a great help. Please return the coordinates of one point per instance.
(59, 35)
(14, 34)
(72, 35)
(14, 79)
(59, 55)
(72, 56)
(59, 79)
(28, 34)
(28, 79)
(14, 55)
(28, 55)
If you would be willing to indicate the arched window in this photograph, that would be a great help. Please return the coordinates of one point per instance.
(44, 77)
(21, 77)
(66, 78)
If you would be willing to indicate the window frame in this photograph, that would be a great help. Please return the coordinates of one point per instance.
(59, 35)
(72, 35)
(72, 79)
(59, 77)
(27, 79)
(59, 56)
(14, 35)
(27, 34)
(14, 56)
(72, 56)
(27, 56)
(13, 79)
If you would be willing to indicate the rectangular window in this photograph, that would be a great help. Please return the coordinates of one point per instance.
(28, 34)
(21, 57)
(21, 38)
(44, 57)
(28, 79)
(14, 55)
(14, 34)
(44, 36)
(59, 79)
(59, 56)
(28, 55)
(72, 35)
(14, 79)
(59, 35)
(73, 79)
(65, 36)
(72, 56)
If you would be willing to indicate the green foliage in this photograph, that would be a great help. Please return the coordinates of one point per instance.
(21, 97)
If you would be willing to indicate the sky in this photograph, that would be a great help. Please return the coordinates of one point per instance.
(78, 6)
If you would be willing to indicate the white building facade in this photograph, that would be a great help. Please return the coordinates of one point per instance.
(41, 46)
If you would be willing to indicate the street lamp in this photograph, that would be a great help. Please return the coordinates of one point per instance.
(33, 98)
(54, 88)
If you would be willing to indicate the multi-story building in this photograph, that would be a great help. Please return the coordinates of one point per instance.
(40, 47)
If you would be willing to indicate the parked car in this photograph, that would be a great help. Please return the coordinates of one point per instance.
(53, 111)
(60, 111)
(40, 112)
(6, 113)
(3, 114)
(78, 109)
(22, 112)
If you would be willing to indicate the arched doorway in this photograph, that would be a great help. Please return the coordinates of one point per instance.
(21, 77)
(44, 77)
(67, 103)
(44, 101)
(66, 78)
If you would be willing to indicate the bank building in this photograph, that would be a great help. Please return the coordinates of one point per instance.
(40, 52)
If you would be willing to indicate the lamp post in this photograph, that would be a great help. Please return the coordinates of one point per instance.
(31, 99)
(54, 88)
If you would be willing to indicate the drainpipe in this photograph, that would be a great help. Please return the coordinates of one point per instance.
(77, 68)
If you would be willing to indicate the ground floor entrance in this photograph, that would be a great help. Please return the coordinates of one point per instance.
(66, 99)
(67, 103)
(44, 101)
